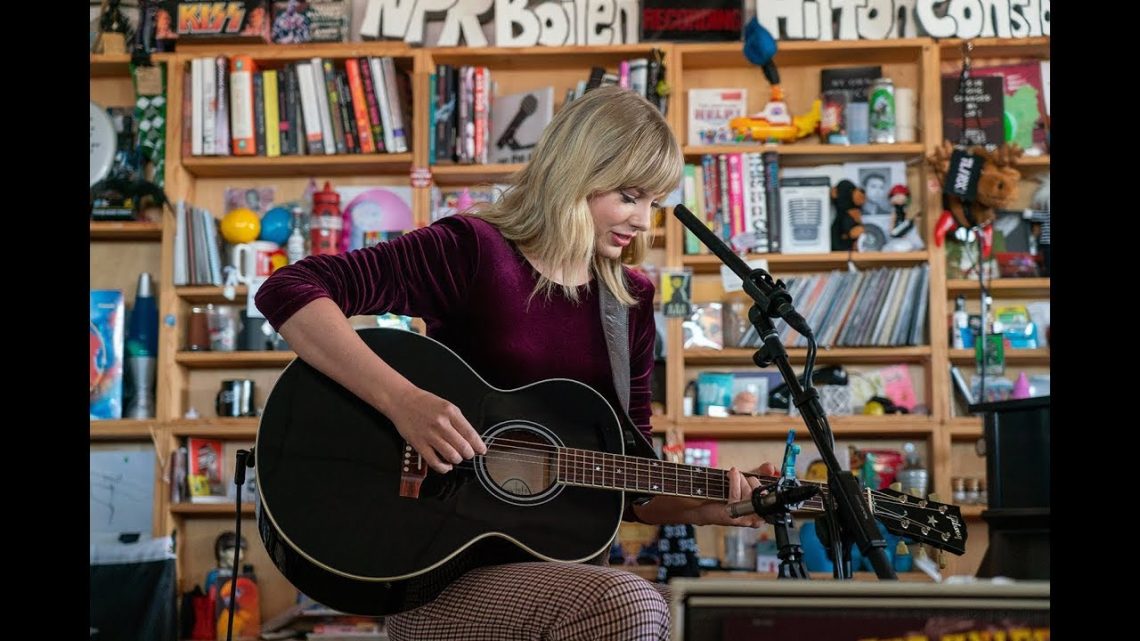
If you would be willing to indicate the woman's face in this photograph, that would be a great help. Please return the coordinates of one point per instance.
(619, 215)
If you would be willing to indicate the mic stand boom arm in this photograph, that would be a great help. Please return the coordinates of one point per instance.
(772, 300)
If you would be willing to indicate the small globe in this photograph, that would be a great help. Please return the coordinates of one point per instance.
(276, 225)
(240, 225)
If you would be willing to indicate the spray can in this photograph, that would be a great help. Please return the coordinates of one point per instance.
(882, 111)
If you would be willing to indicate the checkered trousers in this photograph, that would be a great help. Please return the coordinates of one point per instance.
(540, 601)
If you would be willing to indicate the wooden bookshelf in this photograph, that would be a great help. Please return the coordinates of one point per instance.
(800, 153)
(1001, 287)
(964, 428)
(233, 360)
(210, 509)
(122, 429)
(125, 230)
(202, 294)
(708, 263)
(777, 426)
(1027, 357)
(298, 166)
(472, 174)
(224, 428)
(743, 356)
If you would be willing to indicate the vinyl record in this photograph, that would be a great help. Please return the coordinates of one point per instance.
(102, 143)
(872, 239)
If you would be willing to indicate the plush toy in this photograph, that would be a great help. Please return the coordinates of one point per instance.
(904, 232)
(997, 188)
(848, 224)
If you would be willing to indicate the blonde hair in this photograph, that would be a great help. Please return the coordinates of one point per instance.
(610, 138)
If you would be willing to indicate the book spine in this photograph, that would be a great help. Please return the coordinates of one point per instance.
(241, 106)
(259, 112)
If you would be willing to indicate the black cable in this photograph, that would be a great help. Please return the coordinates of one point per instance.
(239, 480)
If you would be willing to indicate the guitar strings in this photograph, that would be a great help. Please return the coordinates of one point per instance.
(541, 455)
(538, 453)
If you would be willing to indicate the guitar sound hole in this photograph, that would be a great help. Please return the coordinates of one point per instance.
(520, 462)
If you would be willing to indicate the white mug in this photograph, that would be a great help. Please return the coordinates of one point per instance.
(254, 259)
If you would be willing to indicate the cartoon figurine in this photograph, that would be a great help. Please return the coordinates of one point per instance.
(904, 233)
(848, 224)
(773, 123)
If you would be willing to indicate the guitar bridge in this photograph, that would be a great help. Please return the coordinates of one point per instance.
(412, 474)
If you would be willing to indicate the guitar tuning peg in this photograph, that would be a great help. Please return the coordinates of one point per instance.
(915, 492)
(941, 559)
(933, 496)
(896, 486)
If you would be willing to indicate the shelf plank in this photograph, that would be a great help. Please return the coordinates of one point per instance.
(211, 509)
(202, 294)
(813, 154)
(743, 355)
(1001, 287)
(233, 360)
(1034, 47)
(973, 512)
(1033, 161)
(473, 174)
(224, 428)
(698, 56)
(256, 166)
(125, 230)
(965, 428)
(109, 65)
(777, 426)
(122, 429)
(1012, 356)
(541, 58)
(708, 263)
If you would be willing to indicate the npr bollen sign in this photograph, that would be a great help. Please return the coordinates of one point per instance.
(516, 23)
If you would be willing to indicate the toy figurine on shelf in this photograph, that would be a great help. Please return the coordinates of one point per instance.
(904, 233)
(773, 123)
(982, 182)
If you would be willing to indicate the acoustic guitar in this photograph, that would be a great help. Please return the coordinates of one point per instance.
(355, 519)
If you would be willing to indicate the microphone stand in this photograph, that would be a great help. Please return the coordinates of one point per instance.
(856, 525)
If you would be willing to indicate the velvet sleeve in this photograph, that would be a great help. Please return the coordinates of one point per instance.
(642, 341)
(424, 273)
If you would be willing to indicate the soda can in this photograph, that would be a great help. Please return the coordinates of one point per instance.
(882, 111)
(833, 118)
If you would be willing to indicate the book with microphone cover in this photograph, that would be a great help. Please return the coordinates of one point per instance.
(517, 121)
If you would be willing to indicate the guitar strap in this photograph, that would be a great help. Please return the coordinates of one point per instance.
(615, 326)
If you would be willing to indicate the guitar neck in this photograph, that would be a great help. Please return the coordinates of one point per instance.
(587, 468)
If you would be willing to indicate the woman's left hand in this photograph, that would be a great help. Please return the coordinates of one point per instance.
(739, 489)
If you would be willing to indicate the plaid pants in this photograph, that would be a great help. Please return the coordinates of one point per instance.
(540, 601)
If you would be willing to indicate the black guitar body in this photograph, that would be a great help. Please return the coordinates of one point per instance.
(330, 469)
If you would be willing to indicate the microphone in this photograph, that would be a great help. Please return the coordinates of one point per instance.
(526, 108)
(772, 501)
(780, 302)
(760, 48)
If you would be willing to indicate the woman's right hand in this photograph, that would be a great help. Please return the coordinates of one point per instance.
(436, 429)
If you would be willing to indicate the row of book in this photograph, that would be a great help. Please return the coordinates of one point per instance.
(884, 307)
(738, 194)
(305, 107)
(197, 247)
(470, 123)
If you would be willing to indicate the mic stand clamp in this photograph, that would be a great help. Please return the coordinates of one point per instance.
(776, 508)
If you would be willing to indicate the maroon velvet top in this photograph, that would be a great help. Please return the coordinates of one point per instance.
(470, 285)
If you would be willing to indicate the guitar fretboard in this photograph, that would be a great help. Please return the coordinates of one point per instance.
(621, 472)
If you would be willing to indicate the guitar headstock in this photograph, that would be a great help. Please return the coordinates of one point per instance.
(937, 524)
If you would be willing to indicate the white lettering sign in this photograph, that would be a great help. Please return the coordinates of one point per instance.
(517, 23)
(882, 19)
